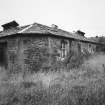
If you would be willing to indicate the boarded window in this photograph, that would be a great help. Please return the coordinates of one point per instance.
(3, 55)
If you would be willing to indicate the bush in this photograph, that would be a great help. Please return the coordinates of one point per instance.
(75, 61)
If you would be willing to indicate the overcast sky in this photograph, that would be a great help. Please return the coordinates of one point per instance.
(70, 15)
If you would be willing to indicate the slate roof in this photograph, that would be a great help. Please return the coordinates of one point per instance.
(12, 31)
(43, 29)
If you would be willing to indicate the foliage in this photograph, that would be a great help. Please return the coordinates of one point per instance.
(102, 47)
(75, 60)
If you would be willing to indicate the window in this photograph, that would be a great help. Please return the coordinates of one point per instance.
(79, 47)
(63, 49)
(90, 48)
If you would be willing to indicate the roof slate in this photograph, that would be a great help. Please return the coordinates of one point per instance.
(43, 29)
(12, 31)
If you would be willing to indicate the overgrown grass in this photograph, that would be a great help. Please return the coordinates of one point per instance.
(82, 86)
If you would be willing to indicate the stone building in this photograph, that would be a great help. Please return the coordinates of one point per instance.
(32, 46)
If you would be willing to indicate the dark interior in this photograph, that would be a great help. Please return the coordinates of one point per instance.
(3, 54)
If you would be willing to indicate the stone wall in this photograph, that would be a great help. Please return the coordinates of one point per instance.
(35, 52)
(11, 53)
(72, 46)
(32, 53)
(26, 53)
(55, 47)
(13, 49)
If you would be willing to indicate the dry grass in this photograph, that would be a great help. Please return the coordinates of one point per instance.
(82, 86)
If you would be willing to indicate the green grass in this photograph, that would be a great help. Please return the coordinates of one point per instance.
(82, 86)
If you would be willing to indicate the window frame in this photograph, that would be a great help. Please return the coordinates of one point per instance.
(63, 49)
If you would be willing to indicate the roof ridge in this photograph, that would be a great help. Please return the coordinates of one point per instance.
(26, 28)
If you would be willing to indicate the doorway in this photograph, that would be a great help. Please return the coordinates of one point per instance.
(3, 54)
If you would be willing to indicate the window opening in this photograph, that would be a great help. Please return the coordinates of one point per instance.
(79, 47)
(63, 49)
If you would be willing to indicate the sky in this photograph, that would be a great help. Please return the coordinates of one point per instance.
(70, 15)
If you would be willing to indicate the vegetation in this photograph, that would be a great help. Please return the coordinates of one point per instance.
(84, 85)
(101, 40)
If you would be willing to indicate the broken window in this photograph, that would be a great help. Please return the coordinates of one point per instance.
(90, 49)
(3, 57)
(63, 49)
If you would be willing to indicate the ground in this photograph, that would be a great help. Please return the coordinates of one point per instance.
(82, 86)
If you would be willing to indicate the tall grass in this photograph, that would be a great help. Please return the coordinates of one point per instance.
(82, 86)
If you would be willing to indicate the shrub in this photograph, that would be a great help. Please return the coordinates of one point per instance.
(75, 61)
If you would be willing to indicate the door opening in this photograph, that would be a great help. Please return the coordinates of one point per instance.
(3, 54)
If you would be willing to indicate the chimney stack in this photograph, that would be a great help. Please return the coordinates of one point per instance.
(12, 24)
(54, 26)
(80, 33)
